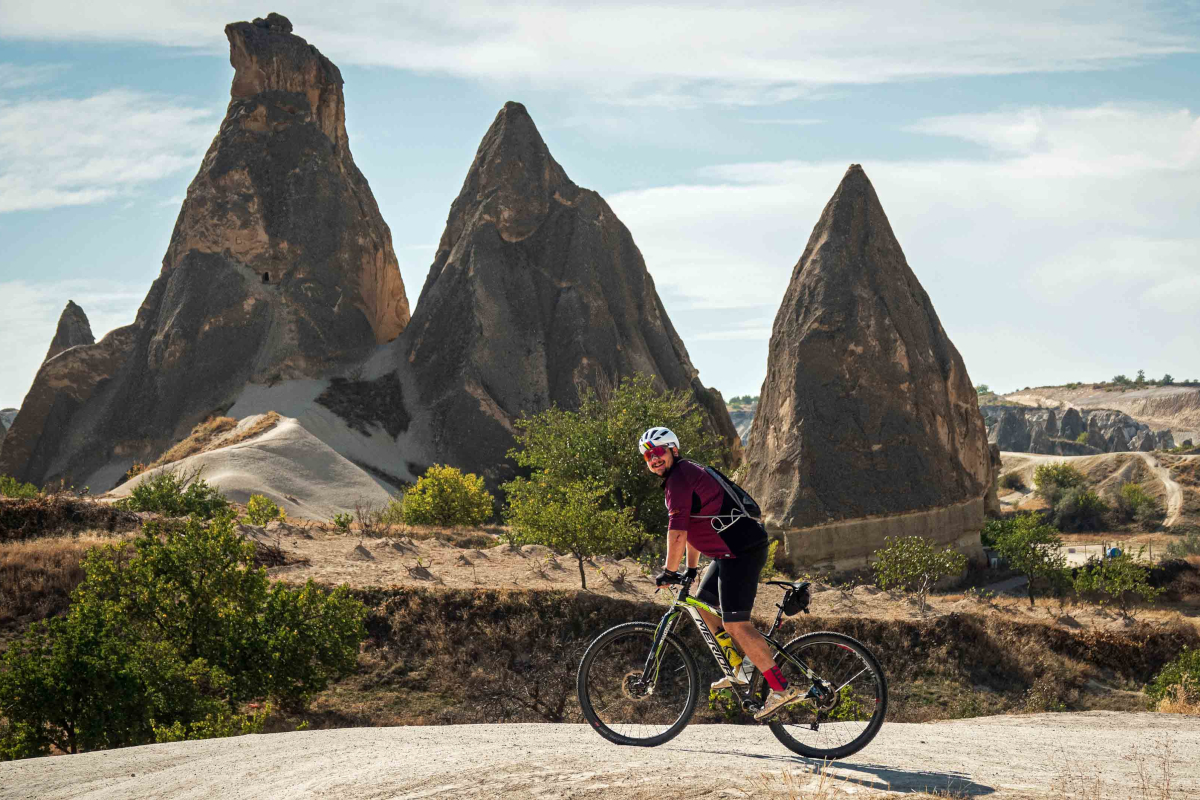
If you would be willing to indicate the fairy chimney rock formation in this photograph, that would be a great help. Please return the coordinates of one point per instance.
(73, 329)
(868, 424)
(280, 266)
(536, 291)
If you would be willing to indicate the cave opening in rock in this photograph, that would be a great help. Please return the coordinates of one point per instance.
(266, 277)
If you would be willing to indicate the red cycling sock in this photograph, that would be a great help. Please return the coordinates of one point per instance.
(775, 679)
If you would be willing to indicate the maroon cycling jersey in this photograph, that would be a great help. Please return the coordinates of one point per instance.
(692, 496)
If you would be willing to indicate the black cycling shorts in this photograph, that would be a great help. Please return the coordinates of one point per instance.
(732, 583)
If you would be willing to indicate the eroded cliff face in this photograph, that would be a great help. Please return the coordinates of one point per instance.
(280, 266)
(867, 409)
(73, 329)
(536, 290)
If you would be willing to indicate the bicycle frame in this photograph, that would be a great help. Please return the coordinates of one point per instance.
(684, 602)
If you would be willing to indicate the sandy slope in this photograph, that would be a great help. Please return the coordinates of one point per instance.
(1045, 755)
(305, 476)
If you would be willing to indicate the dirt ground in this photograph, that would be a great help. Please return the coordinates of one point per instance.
(1094, 755)
(402, 560)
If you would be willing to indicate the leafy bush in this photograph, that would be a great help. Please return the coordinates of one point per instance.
(1012, 480)
(993, 529)
(1180, 676)
(1189, 545)
(1135, 504)
(1082, 438)
(445, 496)
(1032, 549)
(915, 564)
(1080, 509)
(597, 445)
(11, 487)
(342, 521)
(170, 641)
(570, 518)
(769, 570)
(392, 513)
(261, 510)
(172, 494)
(1053, 480)
(1117, 578)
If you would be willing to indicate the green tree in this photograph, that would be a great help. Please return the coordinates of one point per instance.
(1117, 578)
(1120, 380)
(1032, 549)
(182, 630)
(174, 494)
(1051, 481)
(1140, 380)
(1167, 380)
(262, 510)
(569, 517)
(1080, 509)
(914, 564)
(1182, 671)
(445, 496)
(597, 444)
(11, 487)
(982, 389)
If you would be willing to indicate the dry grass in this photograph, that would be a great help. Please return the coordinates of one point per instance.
(51, 514)
(38, 576)
(1182, 699)
(1153, 768)
(207, 433)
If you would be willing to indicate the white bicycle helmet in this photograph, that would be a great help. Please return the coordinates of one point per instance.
(657, 437)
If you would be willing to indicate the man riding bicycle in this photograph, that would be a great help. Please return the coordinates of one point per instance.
(704, 519)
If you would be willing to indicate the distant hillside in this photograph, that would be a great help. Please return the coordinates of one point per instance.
(1173, 408)
(741, 411)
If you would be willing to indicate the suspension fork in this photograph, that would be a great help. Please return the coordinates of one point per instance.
(654, 658)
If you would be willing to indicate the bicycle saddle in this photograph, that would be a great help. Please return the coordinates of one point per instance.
(797, 586)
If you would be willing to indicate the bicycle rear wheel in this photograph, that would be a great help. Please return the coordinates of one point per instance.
(618, 705)
(847, 704)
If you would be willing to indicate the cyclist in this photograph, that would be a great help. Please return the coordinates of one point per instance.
(705, 520)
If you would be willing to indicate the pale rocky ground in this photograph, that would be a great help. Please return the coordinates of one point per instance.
(1094, 755)
(401, 559)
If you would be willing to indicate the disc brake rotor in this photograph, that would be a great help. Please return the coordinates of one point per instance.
(633, 687)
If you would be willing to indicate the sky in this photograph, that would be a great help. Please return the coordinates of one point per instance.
(1039, 161)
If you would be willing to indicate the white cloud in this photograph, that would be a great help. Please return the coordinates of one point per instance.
(658, 53)
(59, 152)
(29, 312)
(20, 76)
(1074, 231)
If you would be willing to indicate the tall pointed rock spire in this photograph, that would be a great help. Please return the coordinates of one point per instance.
(73, 329)
(536, 291)
(867, 410)
(280, 266)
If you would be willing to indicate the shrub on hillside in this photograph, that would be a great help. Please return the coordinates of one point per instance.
(262, 510)
(1135, 504)
(1013, 481)
(915, 564)
(11, 487)
(1177, 685)
(170, 642)
(1033, 549)
(173, 494)
(1080, 509)
(445, 496)
(569, 518)
(1189, 545)
(597, 444)
(1117, 579)
(1052, 481)
(993, 529)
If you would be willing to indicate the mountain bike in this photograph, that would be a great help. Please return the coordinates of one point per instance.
(638, 682)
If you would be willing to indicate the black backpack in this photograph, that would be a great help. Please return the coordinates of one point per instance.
(741, 498)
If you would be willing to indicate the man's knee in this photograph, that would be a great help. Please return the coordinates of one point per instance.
(735, 627)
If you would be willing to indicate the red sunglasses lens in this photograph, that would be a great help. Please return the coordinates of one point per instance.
(655, 452)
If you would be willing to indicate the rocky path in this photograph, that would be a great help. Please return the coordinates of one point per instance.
(1094, 755)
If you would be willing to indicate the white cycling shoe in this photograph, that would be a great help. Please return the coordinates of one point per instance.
(777, 700)
(727, 682)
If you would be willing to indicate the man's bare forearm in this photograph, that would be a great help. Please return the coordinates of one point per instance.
(676, 544)
(693, 557)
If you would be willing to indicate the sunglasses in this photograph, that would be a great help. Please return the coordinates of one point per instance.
(654, 452)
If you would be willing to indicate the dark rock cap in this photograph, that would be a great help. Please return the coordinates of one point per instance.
(867, 408)
(73, 329)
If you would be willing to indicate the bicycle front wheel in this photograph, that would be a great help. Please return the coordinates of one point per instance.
(619, 705)
(846, 704)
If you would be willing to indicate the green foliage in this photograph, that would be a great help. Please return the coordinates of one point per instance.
(982, 389)
(1052, 480)
(445, 496)
(1140, 380)
(215, 725)
(1135, 504)
(1166, 380)
(1082, 438)
(597, 445)
(1121, 380)
(1032, 549)
(769, 570)
(172, 494)
(569, 517)
(744, 400)
(1117, 578)
(915, 564)
(1181, 671)
(1013, 481)
(342, 521)
(167, 641)
(1080, 509)
(993, 529)
(261, 510)
(1189, 545)
(11, 487)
